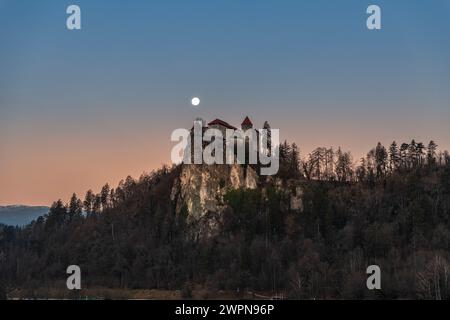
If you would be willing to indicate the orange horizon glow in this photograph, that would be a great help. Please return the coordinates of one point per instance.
(40, 168)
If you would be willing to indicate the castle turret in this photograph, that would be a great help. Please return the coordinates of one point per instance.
(246, 124)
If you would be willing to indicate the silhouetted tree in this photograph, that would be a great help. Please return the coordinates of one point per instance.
(381, 157)
(394, 157)
(75, 208)
(344, 170)
(431, 153)
(97, 207)
(88, 203)
(104, 196)
(294, 161)
(405, 162)
(57, 215)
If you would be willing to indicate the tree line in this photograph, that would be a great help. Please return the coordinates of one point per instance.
(393, 210)
(328, 164)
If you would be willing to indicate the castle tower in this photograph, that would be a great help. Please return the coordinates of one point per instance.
(246, 124)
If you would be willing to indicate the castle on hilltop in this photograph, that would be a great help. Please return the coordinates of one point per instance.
(246, 133)
(223, 125)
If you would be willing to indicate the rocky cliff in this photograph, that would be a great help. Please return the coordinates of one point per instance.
(201, 187)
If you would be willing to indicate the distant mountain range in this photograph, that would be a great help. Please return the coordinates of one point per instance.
(20, 215)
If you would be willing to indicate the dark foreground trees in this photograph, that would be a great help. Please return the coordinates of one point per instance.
(394, 212)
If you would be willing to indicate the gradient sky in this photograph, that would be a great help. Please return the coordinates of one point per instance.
(82, 108)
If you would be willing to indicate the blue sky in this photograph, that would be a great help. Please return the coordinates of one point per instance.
(309, 67)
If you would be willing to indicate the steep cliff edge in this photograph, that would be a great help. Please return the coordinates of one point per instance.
(200, 188)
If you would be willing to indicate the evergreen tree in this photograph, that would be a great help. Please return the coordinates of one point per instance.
(294, 161)
(75, 208)
(405, 163)
(284, 152)
(57, 215)
(394, 157)
(88, 203)
(412, 154)
(97, 207)
(381, 160)
(420, 147)
(104, 196)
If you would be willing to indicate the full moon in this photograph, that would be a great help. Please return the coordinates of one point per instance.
(195, 101)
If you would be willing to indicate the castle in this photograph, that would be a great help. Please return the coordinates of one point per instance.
(222, 125)
(245, 139)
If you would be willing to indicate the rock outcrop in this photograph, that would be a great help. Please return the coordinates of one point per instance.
(201, 187)
(200, 190)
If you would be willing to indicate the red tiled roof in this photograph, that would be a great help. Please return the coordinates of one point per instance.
(247, 122)
(221, 123)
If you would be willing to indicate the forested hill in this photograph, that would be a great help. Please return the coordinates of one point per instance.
(393, 210)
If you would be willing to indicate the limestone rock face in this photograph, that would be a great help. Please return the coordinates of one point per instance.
(200, 190)
(201, 187)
